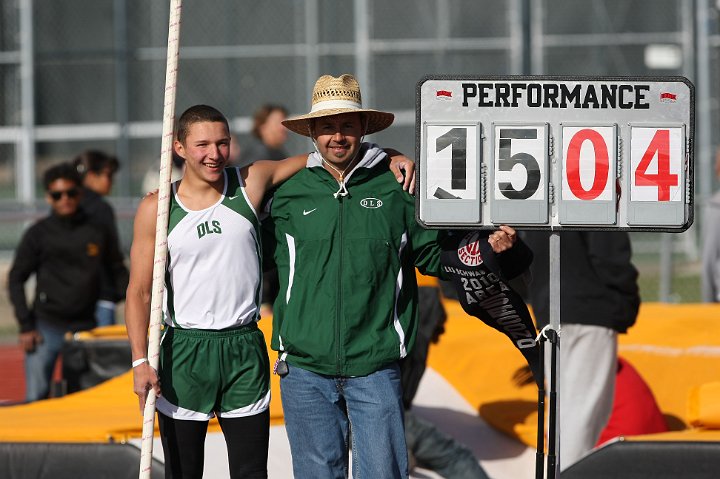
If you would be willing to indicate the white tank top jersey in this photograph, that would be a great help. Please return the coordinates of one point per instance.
(213, 278)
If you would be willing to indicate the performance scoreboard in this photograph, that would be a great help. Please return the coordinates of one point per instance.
(554, 153)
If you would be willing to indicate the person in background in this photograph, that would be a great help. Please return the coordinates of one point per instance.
(235, 150)
(97, 168)
(269, 136)
(67, 253)
(599, 298)
(151, 179)
(427, 446)
(711, 244)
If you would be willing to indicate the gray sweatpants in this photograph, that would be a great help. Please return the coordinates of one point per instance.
(588, 365)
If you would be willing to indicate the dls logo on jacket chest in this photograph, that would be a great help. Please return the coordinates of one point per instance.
(371, 203)
(208, 227)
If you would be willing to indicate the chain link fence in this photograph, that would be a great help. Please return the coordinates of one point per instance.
(76, 75)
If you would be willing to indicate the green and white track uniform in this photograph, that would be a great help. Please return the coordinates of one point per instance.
(203, 373)
(213, 277)
(212, 301)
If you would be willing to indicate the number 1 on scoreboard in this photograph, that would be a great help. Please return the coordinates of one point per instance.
(452, 162)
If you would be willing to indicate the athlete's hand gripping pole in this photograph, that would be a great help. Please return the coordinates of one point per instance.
(160, 257)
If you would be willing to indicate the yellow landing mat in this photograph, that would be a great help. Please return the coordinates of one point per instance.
(674, 347)
(108, 412)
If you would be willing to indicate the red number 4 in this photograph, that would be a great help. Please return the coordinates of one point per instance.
(663, 179)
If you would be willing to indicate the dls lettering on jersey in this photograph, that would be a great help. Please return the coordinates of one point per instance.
(556, 95)
(208, 227)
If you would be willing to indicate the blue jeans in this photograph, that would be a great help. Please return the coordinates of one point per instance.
(321, 410)
(39, 364)
(104, 313)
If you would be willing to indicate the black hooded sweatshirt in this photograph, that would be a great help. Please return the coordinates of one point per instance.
(598, 282)
(67, 255)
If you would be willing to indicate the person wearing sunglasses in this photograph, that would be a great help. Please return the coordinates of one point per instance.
(66, 252)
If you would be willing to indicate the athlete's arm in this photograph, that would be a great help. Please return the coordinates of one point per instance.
(139, 292)
(399, 163)
(263, 175)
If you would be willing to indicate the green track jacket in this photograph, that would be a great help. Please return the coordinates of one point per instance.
(348, 296)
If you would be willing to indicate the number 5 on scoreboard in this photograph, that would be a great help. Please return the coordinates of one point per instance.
(519, 174)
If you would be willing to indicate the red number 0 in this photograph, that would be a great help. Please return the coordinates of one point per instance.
(602, 164)
(663, 179)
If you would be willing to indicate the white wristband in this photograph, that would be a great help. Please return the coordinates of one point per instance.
(138, 362)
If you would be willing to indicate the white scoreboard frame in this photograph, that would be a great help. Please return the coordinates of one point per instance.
(555, 152)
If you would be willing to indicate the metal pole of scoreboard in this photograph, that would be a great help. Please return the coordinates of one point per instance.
(553, 335)
(540, 450)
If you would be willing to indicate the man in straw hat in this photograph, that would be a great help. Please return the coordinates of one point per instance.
(213, 359)
(346, 244)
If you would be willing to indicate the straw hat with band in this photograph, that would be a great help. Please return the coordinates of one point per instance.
(334, 96)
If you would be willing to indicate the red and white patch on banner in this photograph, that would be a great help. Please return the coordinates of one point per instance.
(469, 250)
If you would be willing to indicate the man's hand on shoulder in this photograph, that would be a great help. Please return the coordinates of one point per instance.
(403, 168)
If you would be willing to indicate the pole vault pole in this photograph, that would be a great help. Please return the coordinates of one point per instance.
(160, 257)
